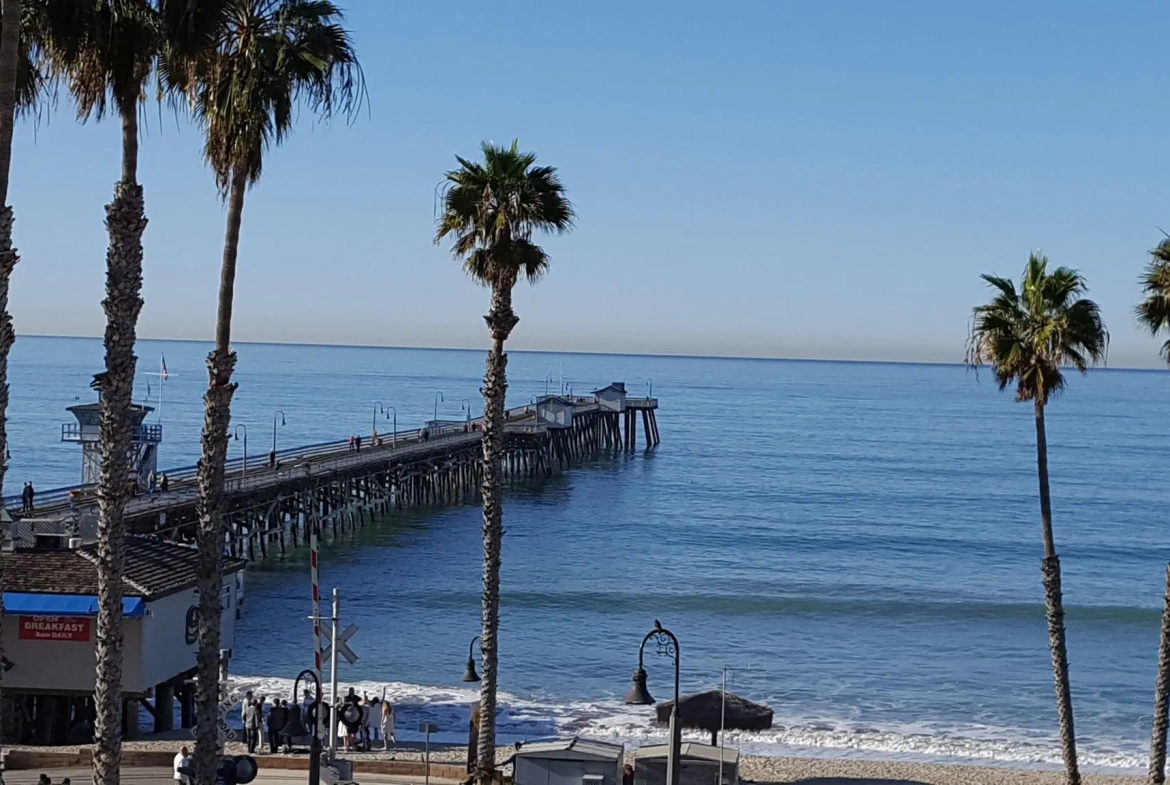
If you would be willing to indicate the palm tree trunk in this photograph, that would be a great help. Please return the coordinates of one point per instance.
(217, 415)
(125, 221)
(1054, 606)
(1157, 775)
(501, 320)
(9, 56)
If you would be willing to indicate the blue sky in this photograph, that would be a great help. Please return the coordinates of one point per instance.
(790, 179)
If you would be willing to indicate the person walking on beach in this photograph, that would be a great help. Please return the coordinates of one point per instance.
(277, 716)
(181, 763)
(374, 722)
(252, 725)
(388, 725)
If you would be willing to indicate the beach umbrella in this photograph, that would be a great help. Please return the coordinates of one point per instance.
(706, 711)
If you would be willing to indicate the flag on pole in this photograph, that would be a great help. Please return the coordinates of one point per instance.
(163, 372)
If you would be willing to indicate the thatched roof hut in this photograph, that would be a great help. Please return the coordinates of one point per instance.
(705, 711)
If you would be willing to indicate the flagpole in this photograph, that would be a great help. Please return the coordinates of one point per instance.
(162, 383)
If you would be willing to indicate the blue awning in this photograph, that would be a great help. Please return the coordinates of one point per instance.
(20, 604)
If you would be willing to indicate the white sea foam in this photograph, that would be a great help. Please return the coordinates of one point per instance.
(807, 736)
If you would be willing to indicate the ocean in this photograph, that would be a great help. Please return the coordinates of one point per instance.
(857, 544)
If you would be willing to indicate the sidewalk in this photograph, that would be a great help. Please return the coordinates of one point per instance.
(163, 776)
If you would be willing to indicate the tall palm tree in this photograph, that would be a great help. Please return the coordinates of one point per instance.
(107, 51)
(1154, 313)
(20, 84)
(491, 210)
(1026, 337)
(270, 57)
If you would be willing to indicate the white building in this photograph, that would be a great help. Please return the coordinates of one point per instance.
(554, 411)
(573, 761)
(612, 398)
(50, 602)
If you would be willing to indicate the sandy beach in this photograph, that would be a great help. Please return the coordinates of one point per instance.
(763, 769)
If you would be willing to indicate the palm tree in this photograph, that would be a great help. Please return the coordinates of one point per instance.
(107, 51)
(491, 210)
(270, 56)
(20, 84)
(1026, 337)
(1154, 314)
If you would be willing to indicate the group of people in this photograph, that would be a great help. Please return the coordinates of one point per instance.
(264, 724)
(355, 444)
(26, 497)
(377, 723)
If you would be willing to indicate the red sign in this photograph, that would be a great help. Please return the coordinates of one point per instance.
(54, 628)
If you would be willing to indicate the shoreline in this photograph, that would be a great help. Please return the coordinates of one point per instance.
(772, 770)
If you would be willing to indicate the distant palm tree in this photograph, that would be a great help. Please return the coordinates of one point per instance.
(270, 56)
(107, 51)
(491, 209)
(1026, 337)
(1154, 313)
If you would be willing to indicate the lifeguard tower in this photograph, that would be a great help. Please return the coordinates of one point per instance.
(144, 442)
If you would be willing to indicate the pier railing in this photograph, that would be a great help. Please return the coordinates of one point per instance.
(260, 474)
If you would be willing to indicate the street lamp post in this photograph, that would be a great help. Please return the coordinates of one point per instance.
(649, 388)
(279, 415)
(378, 409)
(639, 695)
(466, 405)
(469, 675)
(394, 435)
(238, 427)
(314, 739)
(547, 382)
(438, 400)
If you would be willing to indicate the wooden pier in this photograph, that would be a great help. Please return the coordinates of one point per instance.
(336, 487)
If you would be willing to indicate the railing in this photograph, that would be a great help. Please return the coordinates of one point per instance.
(260, 474)
(142, 434)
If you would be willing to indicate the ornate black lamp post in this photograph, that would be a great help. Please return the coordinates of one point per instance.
(470, 675)
(639, 695)
(314, 739)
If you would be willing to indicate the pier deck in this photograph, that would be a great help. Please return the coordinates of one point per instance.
(332, 483)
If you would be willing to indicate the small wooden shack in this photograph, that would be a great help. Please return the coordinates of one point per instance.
(612, 398)
(700, 765)
(575, 761)
(554, 411)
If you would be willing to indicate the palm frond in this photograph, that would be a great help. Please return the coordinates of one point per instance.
(269, 58)
(491, 210)
(1027, 335)
(1153, 312)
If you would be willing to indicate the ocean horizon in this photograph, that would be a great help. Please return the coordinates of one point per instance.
(857, 542)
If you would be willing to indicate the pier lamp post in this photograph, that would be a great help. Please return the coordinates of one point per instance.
(238, 427)
(394, 434)
(649, 388)
(314, 739)
(279, 415)
(438, 400)
(466, 405)
(547, 382)
(639, 695)
(469, 675)
(378, 409)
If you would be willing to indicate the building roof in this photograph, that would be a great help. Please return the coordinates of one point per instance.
(153, 569)
(619, 387)
(544, 400)
(690, 749)
(556, 747)
(97, 407)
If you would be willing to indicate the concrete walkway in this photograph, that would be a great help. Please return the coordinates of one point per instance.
(163, 776)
